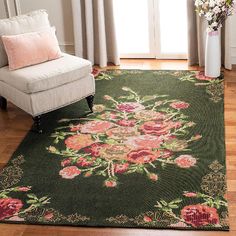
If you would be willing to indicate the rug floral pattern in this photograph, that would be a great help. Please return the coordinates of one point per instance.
(126, 135)
(142, 159)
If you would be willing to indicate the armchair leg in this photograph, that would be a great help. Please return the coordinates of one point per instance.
(37, 124)
(90, 102)
(3, 103)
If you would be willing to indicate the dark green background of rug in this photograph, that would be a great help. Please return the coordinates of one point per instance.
(135, 194)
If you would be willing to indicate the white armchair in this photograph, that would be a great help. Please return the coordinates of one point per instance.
(45, 87)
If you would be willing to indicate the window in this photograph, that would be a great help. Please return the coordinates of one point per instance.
(151, 28)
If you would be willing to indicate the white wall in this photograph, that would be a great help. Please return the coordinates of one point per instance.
(60, 15)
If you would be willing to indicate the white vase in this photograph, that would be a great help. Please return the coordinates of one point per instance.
(213, 54)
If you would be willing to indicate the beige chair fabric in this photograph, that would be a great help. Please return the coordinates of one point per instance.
(49, 100)
(46, 75)
(94, 31)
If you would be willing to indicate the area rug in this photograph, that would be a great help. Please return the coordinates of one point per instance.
(152, 155)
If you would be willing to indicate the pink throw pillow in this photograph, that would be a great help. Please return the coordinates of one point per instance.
(31, 48)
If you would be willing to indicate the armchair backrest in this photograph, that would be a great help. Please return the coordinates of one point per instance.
(31, 22)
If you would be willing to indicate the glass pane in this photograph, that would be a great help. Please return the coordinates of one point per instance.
(173, 26)
(132, 24)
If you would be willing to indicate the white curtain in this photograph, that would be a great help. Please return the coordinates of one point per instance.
(197, 37)
(94, 31)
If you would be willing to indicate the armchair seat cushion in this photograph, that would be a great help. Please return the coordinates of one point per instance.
(47, 75)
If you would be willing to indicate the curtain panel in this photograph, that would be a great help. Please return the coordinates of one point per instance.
(94, 31)
(197, 38)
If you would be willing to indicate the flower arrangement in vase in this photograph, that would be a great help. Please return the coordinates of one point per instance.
(215, 13)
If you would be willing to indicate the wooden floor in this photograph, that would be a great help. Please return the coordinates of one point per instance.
(14, 124)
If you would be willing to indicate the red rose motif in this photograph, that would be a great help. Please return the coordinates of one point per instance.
(128, 123)
(69, 172)
(201, 76)
(110, 183)
(158, 127)
(121, 168)
(130, 107)
(185, 161)
(179, 105)
(66, 162)
(95, 149)
(200, 215)
(190, 194)
(95, 72)
(79, 141)
(144, 141)
(9, 207)
(83, 162)
(141, 156)
(95, 127)
(147, 219)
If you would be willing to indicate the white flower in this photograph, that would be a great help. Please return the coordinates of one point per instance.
(198, 3)
(212, 3)
(209, 16)
(214, 24)
(201, 13)
(216, 10)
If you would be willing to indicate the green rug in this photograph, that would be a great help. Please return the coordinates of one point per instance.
(151, 156)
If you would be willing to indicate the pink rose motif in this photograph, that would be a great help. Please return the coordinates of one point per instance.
(110, 183)
(88, 174)
(158, 127)
(141, 156)
(179, 105)
(153, 177)
(147, 219)
(95, 127)
(121, 132)
(66, 162)
(75, 128)
(24, 189)
(69, 172)
(144, 141)
(164, 154)
(201, 76)
(190, 194)
(95, 149)
(130, 107)
(185, 161)
(108, 116)
(9, 207)
(83, 162)
(121, 168)
(128, 123)
(79, 141)
(48, 216)
(200, 215)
